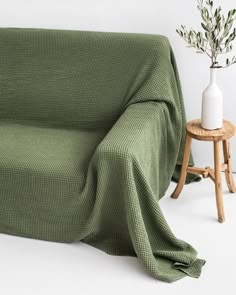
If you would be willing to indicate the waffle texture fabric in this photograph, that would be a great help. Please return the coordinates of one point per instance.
(92, 127)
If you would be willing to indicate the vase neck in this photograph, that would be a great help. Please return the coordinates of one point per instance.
(213, 76)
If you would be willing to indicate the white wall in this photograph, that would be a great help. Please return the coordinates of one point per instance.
(146, 16)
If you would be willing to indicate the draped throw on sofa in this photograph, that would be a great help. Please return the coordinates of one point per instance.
(92, 129)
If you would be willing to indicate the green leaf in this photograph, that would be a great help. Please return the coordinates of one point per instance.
(213, 36)
(218, 19)
(205, 27)
(227, 42)
(206, 13)
(180, 32)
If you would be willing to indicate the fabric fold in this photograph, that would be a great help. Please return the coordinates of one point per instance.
(143, 174)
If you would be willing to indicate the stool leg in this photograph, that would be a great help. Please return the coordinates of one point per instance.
(228, 171)
(184, 167)
(218, 186)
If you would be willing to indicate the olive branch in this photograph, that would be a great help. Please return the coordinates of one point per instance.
(218, 35)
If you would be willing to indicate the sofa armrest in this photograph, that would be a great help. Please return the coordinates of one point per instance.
(133, 166)
(146, 134)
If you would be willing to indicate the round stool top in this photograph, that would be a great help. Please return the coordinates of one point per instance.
(195, 130)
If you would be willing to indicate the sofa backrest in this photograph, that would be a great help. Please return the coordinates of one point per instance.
(75, 79)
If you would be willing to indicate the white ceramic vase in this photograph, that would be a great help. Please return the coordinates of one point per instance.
(212, 104)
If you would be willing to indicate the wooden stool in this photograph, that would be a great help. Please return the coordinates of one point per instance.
(194, 130)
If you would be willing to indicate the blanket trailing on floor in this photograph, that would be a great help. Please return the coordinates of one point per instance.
(92, 130)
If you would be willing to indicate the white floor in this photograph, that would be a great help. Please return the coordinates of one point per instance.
(37, 267)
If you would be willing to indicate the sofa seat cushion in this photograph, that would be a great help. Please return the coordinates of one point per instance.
(40, 167)
(48, 150)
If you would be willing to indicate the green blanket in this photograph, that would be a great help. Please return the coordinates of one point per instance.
(92, 130)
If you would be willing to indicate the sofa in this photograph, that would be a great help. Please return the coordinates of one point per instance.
(92, 127)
